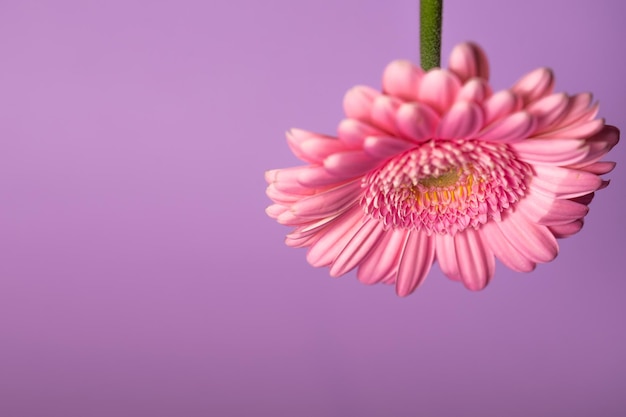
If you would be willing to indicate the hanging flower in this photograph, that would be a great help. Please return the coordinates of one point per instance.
(437, 166)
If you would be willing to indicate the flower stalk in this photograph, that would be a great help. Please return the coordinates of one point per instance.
(430, 33)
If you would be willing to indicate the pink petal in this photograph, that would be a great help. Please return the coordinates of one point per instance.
(350, 164)
(438, 89)
(315, 227)
(583, 199)
(287, 180)
(353, 132)
(600, 144)
(446, 256)
(282, 197)
(317, 177)
(599, 168)
(534, 242)
(576, 131)
(335, 238)
(534, 85)
(551, 151)
(548, 110)
(301, 242)
(503, 250)
(364, 240)
(513, 128)
(468, 60)
(501, 104)
(579, 109)
(551, 211)
(357, 102)
(476, 89)
(383, 259)
(384, 146)
(567, 230)
(415, 262)
(401, 79)
(383, 113)
(295, 137)
(329, 202)
(564, 182)
(318, 148)
(288, 218)
(462, 121)
(390, 279)
(475, 259)
(417, 121)
(604, 184)
(276, 210)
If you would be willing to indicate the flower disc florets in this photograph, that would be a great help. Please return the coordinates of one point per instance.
(445, 186)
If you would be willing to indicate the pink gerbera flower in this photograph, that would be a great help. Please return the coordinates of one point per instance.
(437, 166)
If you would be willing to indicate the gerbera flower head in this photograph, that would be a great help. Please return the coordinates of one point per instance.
(439, 167)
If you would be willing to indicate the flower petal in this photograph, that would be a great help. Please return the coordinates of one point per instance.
(383, 259)
(317, 177)
(533, 241)
(446, 256)
(275, 210)
(383, 113)
(462, 121)
(384, 146)
(564, 182)
(329, 202)
(580, 109)
(315, 227)
(318, 148)
(501, 104)
(548, 110)
(287, 180)
(504, 250)
(335, 238)
(468, 60)
(599, 168)
(513, 128)
(438, 89)
(364, 240)
(357, 102)
(295, 137)
(301, 241)
(476, 89)
(600, 144)
(350, 164)
(353, 132)
(417, 121)
(415, 262)
(288, 218)
(474, 258)
(576, 130)
(551, 211)
(567, 230)
(535, 85)
(282, 197)
(401, 79)
(551, 151)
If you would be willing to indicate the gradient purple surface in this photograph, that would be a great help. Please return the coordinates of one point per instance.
(139, 275)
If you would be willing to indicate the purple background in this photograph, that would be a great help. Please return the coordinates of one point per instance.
(139, 275)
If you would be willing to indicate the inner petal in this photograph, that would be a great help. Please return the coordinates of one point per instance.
(445, 187)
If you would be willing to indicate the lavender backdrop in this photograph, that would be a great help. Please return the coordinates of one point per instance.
(139, 275)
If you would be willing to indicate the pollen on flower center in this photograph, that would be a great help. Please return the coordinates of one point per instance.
(446, 179)
(445, 186)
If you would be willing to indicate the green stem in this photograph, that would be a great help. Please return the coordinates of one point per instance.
(430, 33)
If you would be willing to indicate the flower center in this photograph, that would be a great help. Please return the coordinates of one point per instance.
(445, 186)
